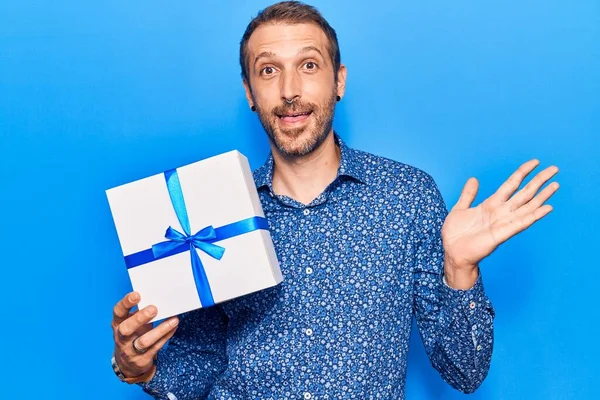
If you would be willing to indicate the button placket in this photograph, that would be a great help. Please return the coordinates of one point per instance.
(307, 286)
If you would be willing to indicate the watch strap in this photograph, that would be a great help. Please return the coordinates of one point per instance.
(136, 379)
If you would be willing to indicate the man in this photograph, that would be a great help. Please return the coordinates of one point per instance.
(365, 244)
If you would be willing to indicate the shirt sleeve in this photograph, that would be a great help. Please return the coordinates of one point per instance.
(456, 326)
(189, 365)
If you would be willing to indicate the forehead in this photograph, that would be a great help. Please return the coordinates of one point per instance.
(286, 39)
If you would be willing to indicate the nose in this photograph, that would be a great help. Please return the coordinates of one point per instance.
(291, 86)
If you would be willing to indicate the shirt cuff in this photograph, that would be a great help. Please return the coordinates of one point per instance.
(464, 302)
(158, 385)
(446, 283)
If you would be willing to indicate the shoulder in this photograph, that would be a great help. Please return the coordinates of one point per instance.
(410, 188)
(382, 173)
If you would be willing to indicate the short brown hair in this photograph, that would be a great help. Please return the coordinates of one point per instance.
(293, 12)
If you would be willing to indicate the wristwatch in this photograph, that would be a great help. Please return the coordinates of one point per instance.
(135, 379)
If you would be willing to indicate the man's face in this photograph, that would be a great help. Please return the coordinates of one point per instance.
(292, 62)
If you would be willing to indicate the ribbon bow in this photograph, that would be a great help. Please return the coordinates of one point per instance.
(200, 240)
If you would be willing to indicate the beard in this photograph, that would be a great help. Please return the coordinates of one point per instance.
(298, 142)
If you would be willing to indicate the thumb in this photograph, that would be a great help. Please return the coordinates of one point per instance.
(467, 195)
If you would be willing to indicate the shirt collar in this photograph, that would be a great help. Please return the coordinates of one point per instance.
(350, 165)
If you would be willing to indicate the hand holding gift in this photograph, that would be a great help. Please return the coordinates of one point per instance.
(136, 342)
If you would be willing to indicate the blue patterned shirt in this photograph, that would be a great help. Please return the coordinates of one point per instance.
(359, 263)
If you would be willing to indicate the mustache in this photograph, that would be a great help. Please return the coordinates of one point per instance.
(297, 106)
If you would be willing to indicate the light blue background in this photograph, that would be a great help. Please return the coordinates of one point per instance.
(98, 93)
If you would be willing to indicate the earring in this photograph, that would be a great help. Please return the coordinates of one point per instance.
(338, 98)
(253, 108)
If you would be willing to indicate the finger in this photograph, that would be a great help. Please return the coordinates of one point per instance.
(160, 343)
(514, 181)
(519, 223)
(527, 193)
(136, 321)
(147, 340)
(539, 199)
(119, 338)
(122, 308)
(467, 195)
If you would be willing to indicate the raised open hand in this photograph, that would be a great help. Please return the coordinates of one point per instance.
(470, 233)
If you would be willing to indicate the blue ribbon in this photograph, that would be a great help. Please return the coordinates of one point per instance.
(203, 240)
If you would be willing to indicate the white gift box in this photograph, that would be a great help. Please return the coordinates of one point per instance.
(217, 191)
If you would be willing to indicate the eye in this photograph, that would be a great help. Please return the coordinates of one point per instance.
(311, 66)
(267, 71)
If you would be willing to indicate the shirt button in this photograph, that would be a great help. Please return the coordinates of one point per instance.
(307, 396)
(472, 305)
(306, 212)
(479, 347)
(474, 327)
(309, 332)
(309, 270)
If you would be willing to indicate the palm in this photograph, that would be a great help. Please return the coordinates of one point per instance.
(470, 234)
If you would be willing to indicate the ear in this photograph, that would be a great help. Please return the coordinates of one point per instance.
(249, 96)
(341, 80)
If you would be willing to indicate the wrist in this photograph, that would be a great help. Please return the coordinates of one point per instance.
(145, 377)
(128, 376)
(461, 277)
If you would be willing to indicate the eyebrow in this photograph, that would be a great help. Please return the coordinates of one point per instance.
(270, 54)
(310, 48)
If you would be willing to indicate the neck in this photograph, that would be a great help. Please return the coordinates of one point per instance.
(304, 178)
